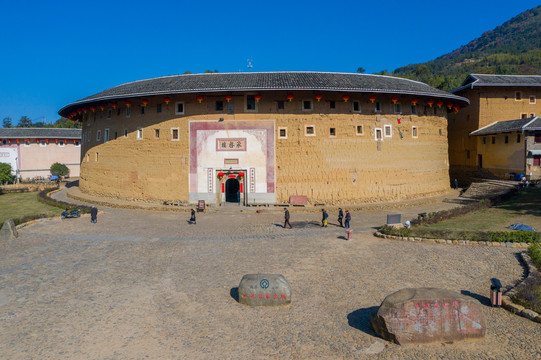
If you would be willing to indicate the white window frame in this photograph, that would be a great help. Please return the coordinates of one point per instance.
(279, 130)
(390, 127)
(27, 145)
(43, 143)
(353, 107)
(532, 97)
(178, 134)
(357, 133)
(306, 130)
(256, 104)
(376, 134)
(414, 132)
(139, 133)
(330, 135)
(183, 108)
(311, 105)
(98, 135)
(156, 132)
(61, 143)
(77, 143)
(106, 135)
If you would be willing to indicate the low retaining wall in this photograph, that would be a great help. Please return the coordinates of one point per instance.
(453, 242)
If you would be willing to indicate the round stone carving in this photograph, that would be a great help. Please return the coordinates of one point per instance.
(264, 290)
(424, 315)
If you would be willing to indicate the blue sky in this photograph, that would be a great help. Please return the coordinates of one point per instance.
(55, 52)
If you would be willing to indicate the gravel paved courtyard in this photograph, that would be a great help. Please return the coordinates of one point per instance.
(146, 284)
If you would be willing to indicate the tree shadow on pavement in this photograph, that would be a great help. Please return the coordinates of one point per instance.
(234, 293)
(72, 184)
(360, 319)
(482, 299)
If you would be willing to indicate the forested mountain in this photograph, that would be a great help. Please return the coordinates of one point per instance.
(512, 48)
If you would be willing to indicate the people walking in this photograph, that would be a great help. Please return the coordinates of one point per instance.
(286, 219)
(192, 218)
(340, 217)
(93, 215)
(348, 219)
(324, 217)
(456, 184)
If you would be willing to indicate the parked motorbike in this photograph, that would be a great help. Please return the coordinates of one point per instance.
(71, 214)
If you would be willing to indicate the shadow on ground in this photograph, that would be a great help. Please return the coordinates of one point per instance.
(360, 319)
(301, 224)
(72, 184)
(234, 292)
(482, 299)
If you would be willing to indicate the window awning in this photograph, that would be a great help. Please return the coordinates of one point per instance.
(534, 152)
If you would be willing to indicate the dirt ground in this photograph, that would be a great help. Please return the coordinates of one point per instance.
(146, 284)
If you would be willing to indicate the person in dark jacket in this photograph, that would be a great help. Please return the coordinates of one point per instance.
(324, 217)
(340, 217)
(192, 218)
(93, 215)
(286, 219)
(348, 219)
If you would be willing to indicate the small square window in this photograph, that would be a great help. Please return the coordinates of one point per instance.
(125, 133)
(156, 133)
(27, 142)
(378, 134)
(307, 105)
(506, 139)
(116, 135)
(532, 115)
(77, 143)
(98, 135)
(396, 108)
(106, 135)
(532, 99)
(388, 130)
(109, 113)
(523, 115)
(494, 139)
(179, 108)
(332, 132)
(280, 105)
(309, 130)
(159, 108)
(282, 133)
(484, 140)
(118, 111)
(332, 104)
(219, 105)
(97, 156)
(128, 111)
(174, 134)
(413, 109)
(377, 107)
(61, 143)
(359, 130)
(518, 95)
(414, 131)
(356, 106)
(143, 110)
(518, 138)
(139, 133)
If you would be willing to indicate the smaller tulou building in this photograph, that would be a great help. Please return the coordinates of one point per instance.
(272, 138)
(32, 151)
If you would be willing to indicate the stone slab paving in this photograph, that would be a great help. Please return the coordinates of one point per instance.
(146, 284)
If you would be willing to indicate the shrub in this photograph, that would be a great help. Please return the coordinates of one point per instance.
(535, 254)
(529, 293)
(59, 169)
(5, 174)
(42, 196)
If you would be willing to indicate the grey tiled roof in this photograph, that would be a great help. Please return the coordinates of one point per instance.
(287, 81)
(33, 133)
(477, 80)
(533, 123)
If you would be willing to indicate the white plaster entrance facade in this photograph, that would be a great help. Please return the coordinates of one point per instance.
(239, 150)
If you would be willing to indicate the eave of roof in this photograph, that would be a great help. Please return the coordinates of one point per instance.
(268, 81)
(480, 80)
(498, 127)
(33, 133)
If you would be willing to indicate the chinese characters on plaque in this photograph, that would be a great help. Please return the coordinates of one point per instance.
(231, 144)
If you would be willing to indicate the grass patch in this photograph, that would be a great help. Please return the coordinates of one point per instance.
(24, 206)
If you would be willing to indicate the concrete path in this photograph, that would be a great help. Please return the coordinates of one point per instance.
(146, 284)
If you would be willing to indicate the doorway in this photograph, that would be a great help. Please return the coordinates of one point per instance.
(232, 191)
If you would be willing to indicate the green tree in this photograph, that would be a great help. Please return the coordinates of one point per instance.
(5, 173)
(361, 70)
(6, 123)
(66, 123)
(59, 169)
(25, 121)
